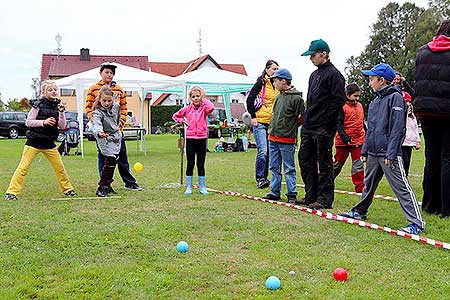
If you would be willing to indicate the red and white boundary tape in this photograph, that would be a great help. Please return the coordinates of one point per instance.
(359, 194)
(331, 216)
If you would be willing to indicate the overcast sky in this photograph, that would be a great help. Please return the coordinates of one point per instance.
(246, 32)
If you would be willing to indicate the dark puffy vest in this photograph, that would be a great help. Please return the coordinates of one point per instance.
(44, 137)
(432, 83)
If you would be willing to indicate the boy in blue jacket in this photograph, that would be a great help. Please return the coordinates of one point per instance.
(382, 149)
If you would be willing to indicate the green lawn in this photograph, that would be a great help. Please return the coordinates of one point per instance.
(124, 248)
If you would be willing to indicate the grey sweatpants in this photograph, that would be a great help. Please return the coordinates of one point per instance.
(396, 177)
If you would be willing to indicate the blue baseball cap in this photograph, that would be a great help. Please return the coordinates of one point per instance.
(283, 74)
(382, 70)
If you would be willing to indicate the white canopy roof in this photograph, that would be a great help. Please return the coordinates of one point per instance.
(128, 78)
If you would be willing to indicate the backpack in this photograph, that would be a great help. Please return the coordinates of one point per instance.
(259, 100)
(239, 145)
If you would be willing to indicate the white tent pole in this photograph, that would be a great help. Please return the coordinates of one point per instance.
(142, 117)
(80, 108)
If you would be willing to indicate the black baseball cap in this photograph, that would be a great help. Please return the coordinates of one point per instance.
(108, 65)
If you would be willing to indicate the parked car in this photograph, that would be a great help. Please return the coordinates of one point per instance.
(73, 115)
(12, 124)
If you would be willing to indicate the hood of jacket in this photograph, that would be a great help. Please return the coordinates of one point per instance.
(387, 90)
(439, 43)
(291, 91)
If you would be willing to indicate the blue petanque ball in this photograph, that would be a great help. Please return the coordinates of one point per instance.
(273, 283)
(182, 246)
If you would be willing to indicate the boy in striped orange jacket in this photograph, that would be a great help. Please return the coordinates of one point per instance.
(107, 72)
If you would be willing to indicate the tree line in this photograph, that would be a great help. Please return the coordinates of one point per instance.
(395, 38)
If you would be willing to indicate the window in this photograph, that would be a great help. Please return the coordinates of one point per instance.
(67, 92)
(234, 101)
(21, 117)
(179, 101)
(8, 117)
(129, 93)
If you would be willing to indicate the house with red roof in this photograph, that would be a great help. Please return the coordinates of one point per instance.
(58, 66)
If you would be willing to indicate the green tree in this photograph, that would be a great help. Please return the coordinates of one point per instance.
(13, 105)
(441, 8)
(388, 44)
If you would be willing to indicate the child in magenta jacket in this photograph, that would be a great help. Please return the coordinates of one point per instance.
(194, 117)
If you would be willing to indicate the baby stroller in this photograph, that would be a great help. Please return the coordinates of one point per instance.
(71, 138)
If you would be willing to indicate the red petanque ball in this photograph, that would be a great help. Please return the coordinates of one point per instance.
(340, 274)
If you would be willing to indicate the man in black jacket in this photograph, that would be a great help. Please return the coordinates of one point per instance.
(325, 99)
(432, 106)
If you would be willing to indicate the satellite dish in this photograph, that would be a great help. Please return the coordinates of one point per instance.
(246, 118)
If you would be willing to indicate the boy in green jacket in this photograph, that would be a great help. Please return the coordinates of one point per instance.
(283, 130)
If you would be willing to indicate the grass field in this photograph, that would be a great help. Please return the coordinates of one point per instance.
(124, 248)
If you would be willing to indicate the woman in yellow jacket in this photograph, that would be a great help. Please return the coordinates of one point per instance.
(263, 89)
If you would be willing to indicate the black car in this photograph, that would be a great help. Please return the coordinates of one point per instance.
(12, 124)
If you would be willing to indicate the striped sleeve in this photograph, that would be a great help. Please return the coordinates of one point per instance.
(89, 102)
(123, 105)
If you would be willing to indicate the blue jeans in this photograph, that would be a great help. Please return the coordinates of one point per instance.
(262, 157)
(282, 153)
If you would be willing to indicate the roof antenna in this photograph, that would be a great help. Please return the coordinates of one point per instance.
(199, 42)
(58, 39)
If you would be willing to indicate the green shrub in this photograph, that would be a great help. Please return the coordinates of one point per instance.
(163, 114)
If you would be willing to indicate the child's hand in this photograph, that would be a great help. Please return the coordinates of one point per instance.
(387, 162)
(102, 135)
(417, 146)
(363, 159)
(62, 106)
(50, 121)
(347, 140)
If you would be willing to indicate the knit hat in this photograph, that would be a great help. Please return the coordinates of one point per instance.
(406, 96)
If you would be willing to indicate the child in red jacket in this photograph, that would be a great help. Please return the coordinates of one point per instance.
(194, 118)
(350, 136)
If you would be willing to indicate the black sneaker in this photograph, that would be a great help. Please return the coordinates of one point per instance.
(110, 190)
(133, 187)
(10, 197)
(71, 193)
(291, 199)
(304, 202)
(318, 206)
(269, 196)
(263, 184)
(102, 191)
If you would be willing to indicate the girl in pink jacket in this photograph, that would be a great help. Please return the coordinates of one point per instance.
(194, 118)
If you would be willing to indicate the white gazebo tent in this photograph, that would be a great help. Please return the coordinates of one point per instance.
(215, 82)
(129, 78)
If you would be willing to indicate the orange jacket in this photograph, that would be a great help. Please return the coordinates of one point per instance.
(119, 96)
(351, 124)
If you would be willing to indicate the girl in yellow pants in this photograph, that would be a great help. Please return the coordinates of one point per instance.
(43, 121)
